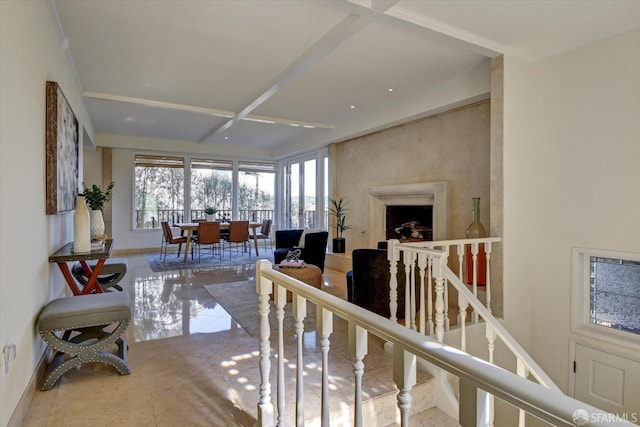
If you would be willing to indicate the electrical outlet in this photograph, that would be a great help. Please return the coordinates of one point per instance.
(9, 353)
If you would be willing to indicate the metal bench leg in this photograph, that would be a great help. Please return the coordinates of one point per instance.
(80, 353)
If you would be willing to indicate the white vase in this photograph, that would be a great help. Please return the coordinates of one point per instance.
(210, 217)
(97, 224)
(81, 228)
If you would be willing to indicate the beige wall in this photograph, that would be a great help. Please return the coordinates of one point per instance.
(30, 54)
(452, 146)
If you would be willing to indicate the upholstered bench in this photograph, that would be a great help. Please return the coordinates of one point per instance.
(84, 318)
(111, 273)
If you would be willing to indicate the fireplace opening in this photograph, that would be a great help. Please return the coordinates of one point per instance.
(409, 223)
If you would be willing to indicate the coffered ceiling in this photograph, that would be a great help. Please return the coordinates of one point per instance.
(289, 75)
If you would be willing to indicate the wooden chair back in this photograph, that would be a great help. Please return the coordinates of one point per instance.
(168, 234)
(208, 232)
(238, 231)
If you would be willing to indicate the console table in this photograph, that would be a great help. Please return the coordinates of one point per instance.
(65, 254)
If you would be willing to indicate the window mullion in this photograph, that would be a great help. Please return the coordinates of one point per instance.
(187, 191)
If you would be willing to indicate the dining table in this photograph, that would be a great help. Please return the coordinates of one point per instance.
(190, 227)
(66, 254)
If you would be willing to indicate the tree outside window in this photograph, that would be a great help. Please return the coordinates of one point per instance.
(211, 186)
(159, 190)
(256, 191)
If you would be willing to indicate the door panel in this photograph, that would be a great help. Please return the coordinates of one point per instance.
(607, 381)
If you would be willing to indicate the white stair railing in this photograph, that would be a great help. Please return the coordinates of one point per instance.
(468, 251)
(476, 376)
(438, 253)
(437, 270)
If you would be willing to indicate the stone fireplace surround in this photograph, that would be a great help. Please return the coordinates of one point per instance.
(418, 194)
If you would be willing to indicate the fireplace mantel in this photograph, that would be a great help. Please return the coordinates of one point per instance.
(418, 194)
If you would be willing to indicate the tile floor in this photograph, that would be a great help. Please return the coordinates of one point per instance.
(193, 365)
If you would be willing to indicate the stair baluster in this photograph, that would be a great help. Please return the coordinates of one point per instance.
(299, 313)
(326, 329)
(358, 349)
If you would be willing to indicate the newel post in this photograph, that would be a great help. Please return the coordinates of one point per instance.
(264, 287)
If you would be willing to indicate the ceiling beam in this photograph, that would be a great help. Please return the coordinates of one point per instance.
(157, 104)
(202, 110)
(332, 39)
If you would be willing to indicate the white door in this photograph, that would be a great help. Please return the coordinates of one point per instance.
(608, 382)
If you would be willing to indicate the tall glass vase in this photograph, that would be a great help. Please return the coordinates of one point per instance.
(81, 227)
(475, 231)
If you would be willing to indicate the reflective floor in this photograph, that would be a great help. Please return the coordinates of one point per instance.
(192, 364)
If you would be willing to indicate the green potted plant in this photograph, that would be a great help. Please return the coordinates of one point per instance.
(338, 210)
(210, 212)
(96, 197)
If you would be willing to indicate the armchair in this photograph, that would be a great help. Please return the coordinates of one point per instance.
(368, 282)
(313, 252)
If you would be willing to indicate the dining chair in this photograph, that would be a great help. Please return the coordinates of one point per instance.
(238, 236)
(194, 233)
(208, 234)
(169, 239)
(264, 234)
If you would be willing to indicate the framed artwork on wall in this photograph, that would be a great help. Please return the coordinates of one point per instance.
(62, 156)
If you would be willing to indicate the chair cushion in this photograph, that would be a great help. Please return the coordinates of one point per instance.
(85, 310)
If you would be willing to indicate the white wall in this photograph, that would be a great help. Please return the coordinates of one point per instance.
(92, 167)
(571, 178)
(30, 54)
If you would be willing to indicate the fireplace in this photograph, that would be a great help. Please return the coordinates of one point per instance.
(409, 223)
(427, 194)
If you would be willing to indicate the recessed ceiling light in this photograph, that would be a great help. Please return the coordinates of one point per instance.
(390, 89)
(352, 107)
(226, 137)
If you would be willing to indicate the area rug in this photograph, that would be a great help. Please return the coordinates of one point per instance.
(240, 300)
(177, 263)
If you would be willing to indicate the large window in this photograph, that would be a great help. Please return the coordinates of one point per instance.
(256, 199)
(159, 190)
(211, 186)
(236, 189)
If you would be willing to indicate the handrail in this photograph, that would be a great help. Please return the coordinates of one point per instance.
(508, 340)
(550, 405)
(511, 343)
(454, 242)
